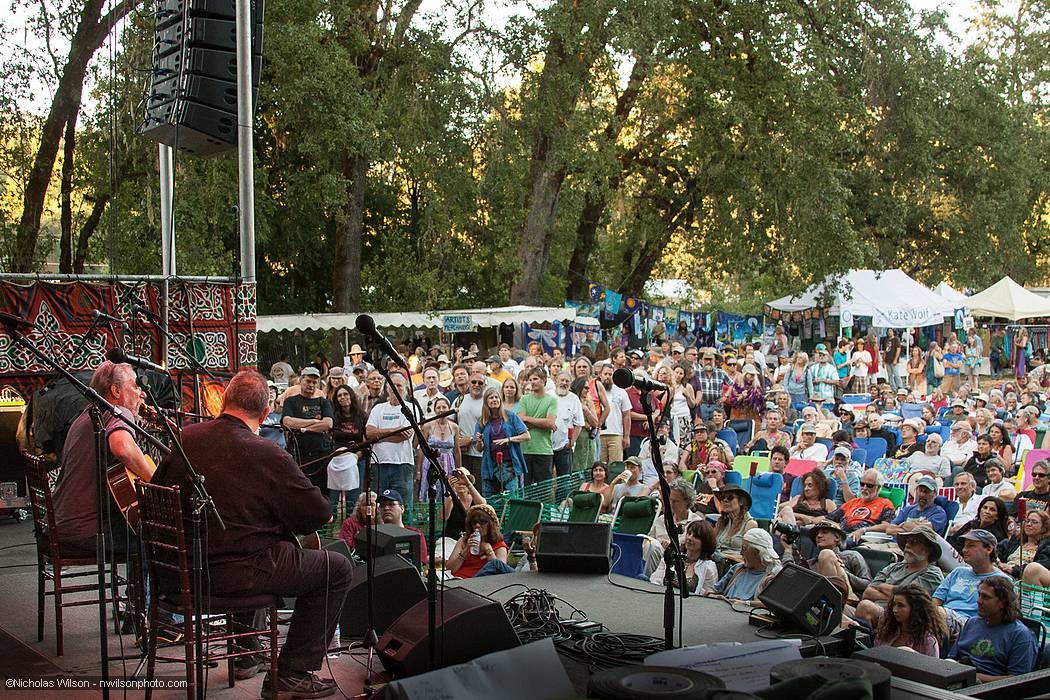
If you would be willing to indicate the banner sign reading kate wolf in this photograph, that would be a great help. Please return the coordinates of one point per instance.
(906, 317)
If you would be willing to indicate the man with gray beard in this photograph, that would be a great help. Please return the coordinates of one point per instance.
(921, 550)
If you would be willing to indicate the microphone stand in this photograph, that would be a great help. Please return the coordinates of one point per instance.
(200, 501)
(196, 366)
(434, 474)
(99, 407)
(673, 553)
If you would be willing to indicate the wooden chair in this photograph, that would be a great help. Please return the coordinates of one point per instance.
(168, 554)
(51, 563)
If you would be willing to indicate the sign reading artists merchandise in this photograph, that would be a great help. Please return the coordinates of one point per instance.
(457, 323)
(906, 317)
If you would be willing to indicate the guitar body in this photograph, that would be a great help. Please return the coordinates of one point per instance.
(121, 483)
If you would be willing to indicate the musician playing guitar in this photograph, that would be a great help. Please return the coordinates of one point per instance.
(75, 501)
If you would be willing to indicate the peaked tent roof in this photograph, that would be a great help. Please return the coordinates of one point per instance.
(1007, 299)
(890, 297)
(950, 293)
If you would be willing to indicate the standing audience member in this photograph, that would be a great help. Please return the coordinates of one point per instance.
(539, 412)
(616, 430)
(498, 437)
(309, 417)
(394, 454)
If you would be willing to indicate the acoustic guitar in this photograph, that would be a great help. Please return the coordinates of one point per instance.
(121, 482)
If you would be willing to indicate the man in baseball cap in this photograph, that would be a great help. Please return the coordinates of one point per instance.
(925, 509)
(392, 512)
(957, 594)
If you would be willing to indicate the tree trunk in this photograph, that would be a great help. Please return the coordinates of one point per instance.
(653, 248)
(346, 273)
(92, 30)
(534, 246)
(86, 231)
(65, 264)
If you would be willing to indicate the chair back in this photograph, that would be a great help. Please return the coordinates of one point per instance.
(911, 410)
(860, 456)
(636, 515)
(585, 507)
(742, 465)
(796, 487)
(613, 470)
(765, 492)
(729, 436)
(40, 501)
(950, 507)
(826, 442)
(877, 559)
(163, 534)
(690, 475)
(874, 448)
(734, 479)
(519, 515)
(895, 494)
(627, 555)
(1038, 631)
(743, 429)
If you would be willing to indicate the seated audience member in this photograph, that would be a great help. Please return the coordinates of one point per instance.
(1026, 556)
(975, 465)
(991, 516)
(995, 641)
(868, 508)
(681, 498)
(921, 550)
(877, 428)
(713, 481)
(734, 504)
(492, 552)
(359, 518)
(671, 472)
(807, 446)
(997, 484)
(825, 427)
(957, 594)
(1038, 497)
(599, 484)
(961, 446)
(930, 461)
(912, 622)
(924, 508)
(669, 453)
(844, 472)
(744, 581)
(778, 461)
(464, 490)
(968, 500)
(627, 483)
(698, 546)
(831, 561)
(392, 511)
(910, 431)
(1001, 444)
(812, 504)
(772, 433)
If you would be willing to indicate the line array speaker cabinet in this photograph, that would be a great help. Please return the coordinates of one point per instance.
(468, 625)
(574, 548)
(191, 102)
(804, 599)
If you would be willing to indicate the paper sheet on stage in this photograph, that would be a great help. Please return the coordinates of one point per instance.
(496, 675)
(742, 667)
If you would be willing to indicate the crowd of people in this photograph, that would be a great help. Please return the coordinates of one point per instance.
(523, 417)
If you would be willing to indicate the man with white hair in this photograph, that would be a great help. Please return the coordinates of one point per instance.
(824, 428)
(807, 447)
(961, 446)
(930, 459)
(868, 508)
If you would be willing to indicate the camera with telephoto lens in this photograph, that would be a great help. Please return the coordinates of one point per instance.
(790, 531)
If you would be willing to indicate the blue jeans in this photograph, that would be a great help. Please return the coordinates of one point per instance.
(493, 567)
(402, 478)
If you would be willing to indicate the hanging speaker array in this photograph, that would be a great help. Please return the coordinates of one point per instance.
(191, 101)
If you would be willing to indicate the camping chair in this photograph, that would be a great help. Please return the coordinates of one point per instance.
(877, 559)
(734, 479)
(911, 410)
(614, 470)
(950, 507)
(690, 475)
(743, 429)
(796, 488)
(765, 492)
(585, 507)
(826, 442)
(895, 494)
(519, 516)
(1039, 632)
(874, 447)
(859, 456)
(635, 515)
(742, 465)
(627, 555)
(729, 436)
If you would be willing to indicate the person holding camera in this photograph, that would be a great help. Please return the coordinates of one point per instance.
(463, 489)
(842, 567)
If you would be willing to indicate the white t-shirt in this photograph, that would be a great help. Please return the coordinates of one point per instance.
(815, 453)
(669, 453)
(860, 369)
(570, 414)
(468, 418)
(619, 402)
(386, 416)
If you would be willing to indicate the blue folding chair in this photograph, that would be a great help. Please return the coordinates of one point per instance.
(943, 430)
(765, 490)
(796, 487)
(826, 442)
(859, 456)
(743, 429)
(734, 479)
(627, 555)
(728, 435)
(911, 410)
(875, 447)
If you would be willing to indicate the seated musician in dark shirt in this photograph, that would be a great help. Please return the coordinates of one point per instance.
(263, 497)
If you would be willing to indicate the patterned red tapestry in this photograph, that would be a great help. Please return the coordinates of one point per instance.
(218, 317)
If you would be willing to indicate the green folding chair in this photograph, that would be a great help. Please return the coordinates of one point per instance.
(585, 507)
(519, 516)
(614, 470)
(690, 475)
(895, 494)
(635, 515)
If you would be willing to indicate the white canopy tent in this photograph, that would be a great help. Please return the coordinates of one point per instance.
(890, 298)
(951, 294)
(1007, 299)
(483, 318)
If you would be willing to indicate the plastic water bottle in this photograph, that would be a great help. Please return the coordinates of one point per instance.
(475, 542)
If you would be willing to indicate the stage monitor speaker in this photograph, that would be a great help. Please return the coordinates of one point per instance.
(396, 587)
(191, 103)
(574, 548)
(390, 539)
(468, 626)
(938, 673)
(804, 599)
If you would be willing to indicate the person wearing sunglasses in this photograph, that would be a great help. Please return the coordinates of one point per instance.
(1038, 497)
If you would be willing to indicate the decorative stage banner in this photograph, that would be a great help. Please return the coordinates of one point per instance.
(213, 320)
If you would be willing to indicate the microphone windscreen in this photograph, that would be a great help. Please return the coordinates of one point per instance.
(365, 324)
(623, 378)
(116, 356)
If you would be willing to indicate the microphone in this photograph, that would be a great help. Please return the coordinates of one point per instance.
(98, 315)
(117, 356)
(366, 325)
(624, 378)
(11, 321)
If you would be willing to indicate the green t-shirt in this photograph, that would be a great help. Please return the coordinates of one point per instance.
(537, 407)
